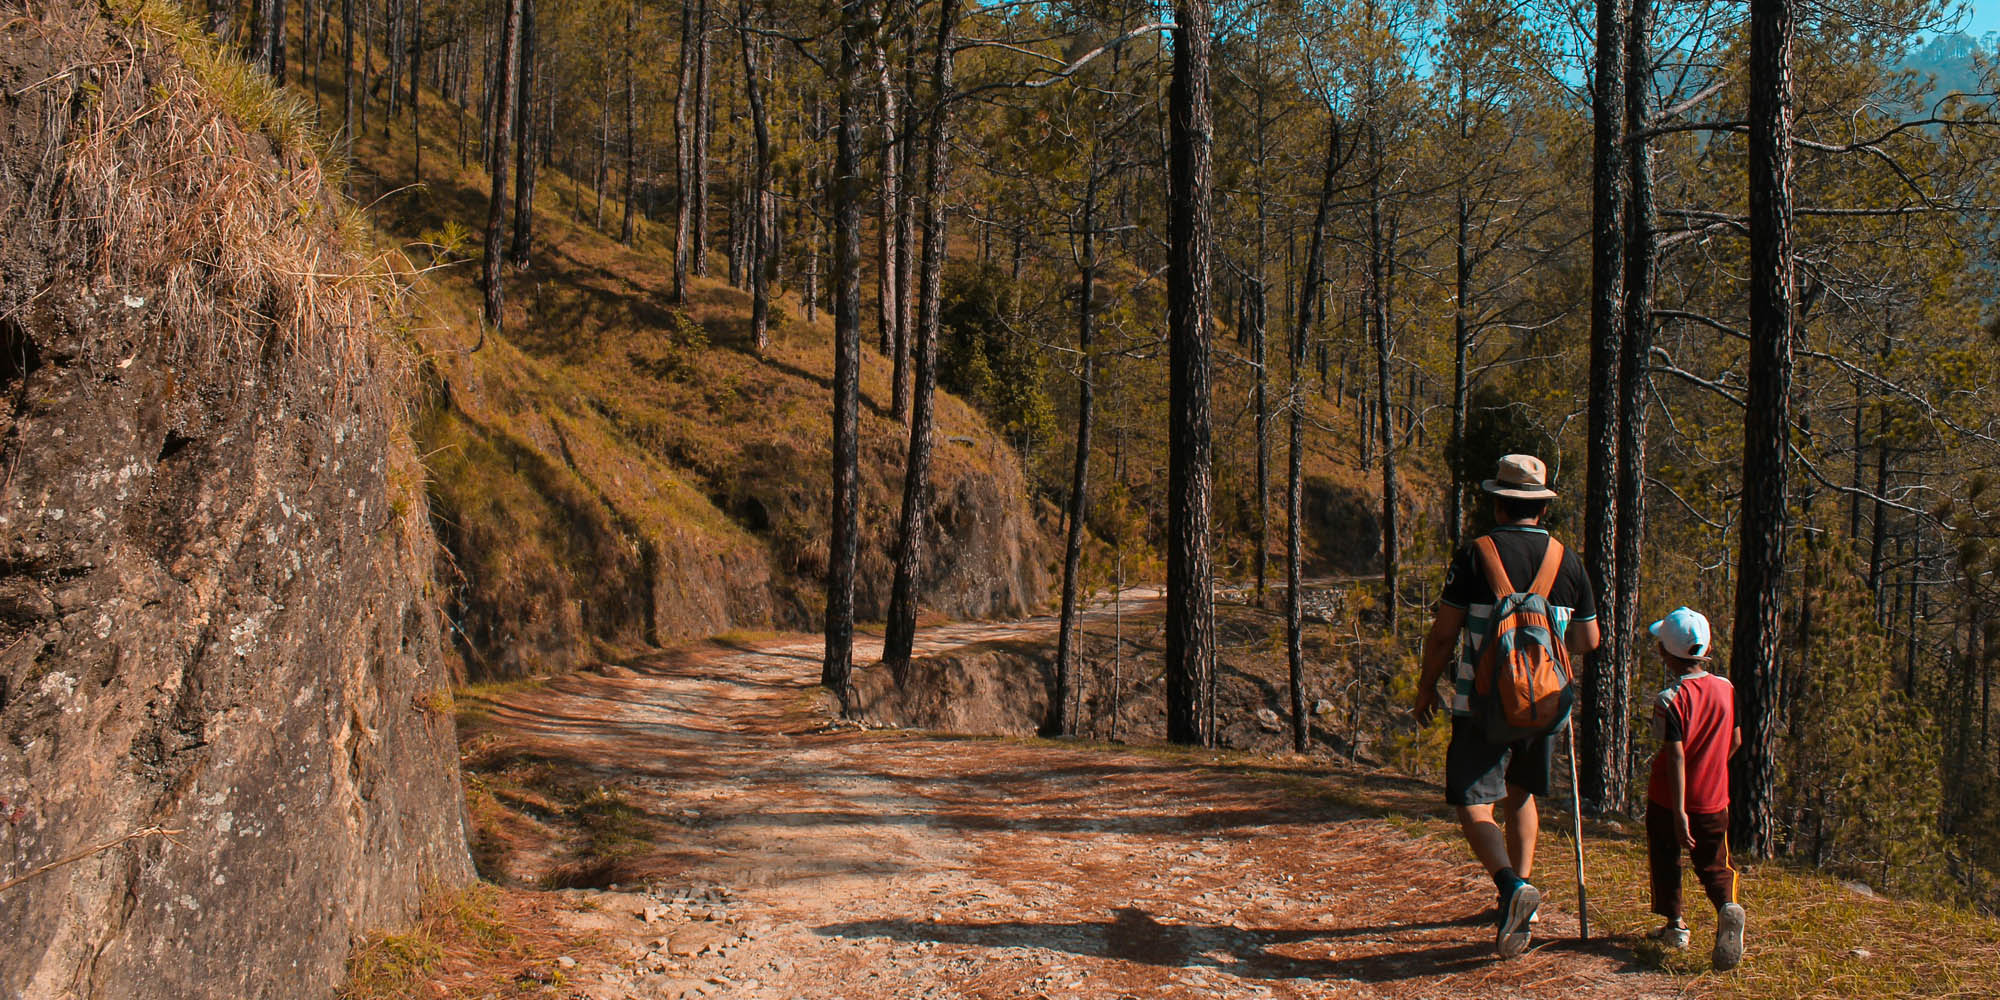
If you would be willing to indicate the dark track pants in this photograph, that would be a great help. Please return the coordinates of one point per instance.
(1710, 857)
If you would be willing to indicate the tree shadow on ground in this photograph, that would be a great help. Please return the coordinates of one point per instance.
(1133, 935)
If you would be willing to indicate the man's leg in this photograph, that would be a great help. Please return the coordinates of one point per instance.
(1515, 847)
(1473, 783)
(1483, 834)
(1474, 780)
(1524, 822)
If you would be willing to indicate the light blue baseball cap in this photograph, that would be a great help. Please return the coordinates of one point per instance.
(1684, 633)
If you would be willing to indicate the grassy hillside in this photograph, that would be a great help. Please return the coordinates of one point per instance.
(613, 471)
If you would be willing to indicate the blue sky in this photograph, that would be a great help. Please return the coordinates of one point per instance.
(1985, 16)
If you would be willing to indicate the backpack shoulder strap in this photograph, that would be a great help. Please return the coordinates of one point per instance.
(1545, 579)
(1496, 571)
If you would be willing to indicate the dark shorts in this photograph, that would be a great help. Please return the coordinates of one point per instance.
(1477, 773)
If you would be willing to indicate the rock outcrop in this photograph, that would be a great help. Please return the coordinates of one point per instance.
(225, 735)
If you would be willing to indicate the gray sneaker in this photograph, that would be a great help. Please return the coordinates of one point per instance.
(1517, 920)
(1728, 937)
(1672, 936)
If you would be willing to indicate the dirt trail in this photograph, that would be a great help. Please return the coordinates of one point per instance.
(865, 864)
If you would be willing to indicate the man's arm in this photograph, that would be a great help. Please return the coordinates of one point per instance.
(1582, 637)
(1735, 740)
(1438, 649)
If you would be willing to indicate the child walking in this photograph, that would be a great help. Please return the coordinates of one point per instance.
(1687, 808)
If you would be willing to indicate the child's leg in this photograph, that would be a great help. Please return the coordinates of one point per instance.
(1663, 851)
(1711, 856)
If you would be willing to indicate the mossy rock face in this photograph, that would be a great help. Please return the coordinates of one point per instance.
(223, 749)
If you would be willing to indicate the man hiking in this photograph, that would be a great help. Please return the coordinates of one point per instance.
(1479, 772)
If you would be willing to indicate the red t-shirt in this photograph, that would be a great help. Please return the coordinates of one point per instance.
(1699, 711)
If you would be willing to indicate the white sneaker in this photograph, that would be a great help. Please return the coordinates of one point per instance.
(1672, 936)
(1517, 921)
(1728, 937)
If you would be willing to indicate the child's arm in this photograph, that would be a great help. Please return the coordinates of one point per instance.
(1677, 789)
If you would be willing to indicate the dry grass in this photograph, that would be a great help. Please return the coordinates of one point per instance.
(1811, 937)
(480, 942)
(199, 197)
(243, 238)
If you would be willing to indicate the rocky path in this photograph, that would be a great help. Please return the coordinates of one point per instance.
(811, 860)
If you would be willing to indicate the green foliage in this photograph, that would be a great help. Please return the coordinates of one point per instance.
(1863, 785)
(981, 358)
(675, 355)
(1496, 425)
(450, 241)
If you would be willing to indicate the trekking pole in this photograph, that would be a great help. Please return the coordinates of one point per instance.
(1576, 814)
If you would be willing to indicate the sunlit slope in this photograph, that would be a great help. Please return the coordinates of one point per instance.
(613, 471)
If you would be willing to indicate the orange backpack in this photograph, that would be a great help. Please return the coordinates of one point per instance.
(1522, 685)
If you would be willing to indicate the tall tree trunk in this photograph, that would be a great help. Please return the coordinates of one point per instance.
(1294, 499)
(837, 667)
(1607, 212)
(906, 254)
(524, 158)
(704, 113)
(393, 52)
(1633, 397)
(1255, 303)
(1379, 253)
(416, 78)
(1878, 525)
(367, 70)
(276, 33)
(603, 158)
(1190, 639)
(347, 94)
(496, 201)
(1859, 452)
(899, 636)
(312, 51)
(631, 121)
(260, 46)
(488, 99)
(735, 232)
(1754, 648)
(760, 267)
(810, 293)
(464, 56)
(890, 336)
(1461, 351)
(684, 121)
(1068, 698)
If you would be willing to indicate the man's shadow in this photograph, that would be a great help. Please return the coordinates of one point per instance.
(1133, 935)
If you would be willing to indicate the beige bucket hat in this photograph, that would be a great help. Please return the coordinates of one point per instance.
(1520, 476)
